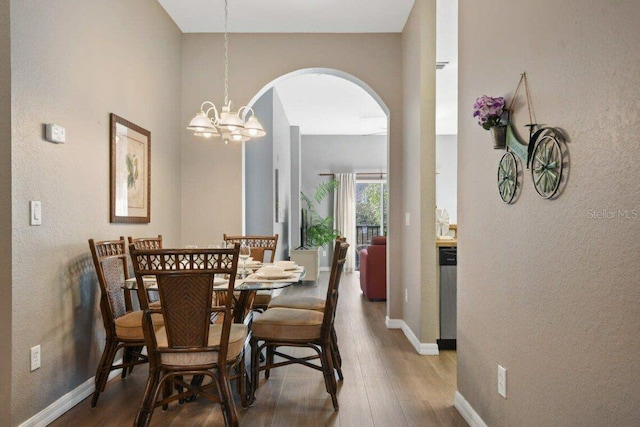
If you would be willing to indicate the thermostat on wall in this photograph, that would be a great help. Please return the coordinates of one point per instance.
(55, 133)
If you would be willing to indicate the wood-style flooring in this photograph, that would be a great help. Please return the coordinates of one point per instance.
(386, 383)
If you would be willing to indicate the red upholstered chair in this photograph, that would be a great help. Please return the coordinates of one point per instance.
(373, 269)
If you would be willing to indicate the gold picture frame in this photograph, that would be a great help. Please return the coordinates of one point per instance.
(130, 153)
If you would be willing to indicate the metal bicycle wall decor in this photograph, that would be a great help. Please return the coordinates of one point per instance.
(543, 155)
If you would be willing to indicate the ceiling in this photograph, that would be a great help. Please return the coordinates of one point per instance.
(290, 16)
(328, 105)
(323, 104)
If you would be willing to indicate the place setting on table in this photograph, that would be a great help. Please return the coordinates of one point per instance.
(253, 275)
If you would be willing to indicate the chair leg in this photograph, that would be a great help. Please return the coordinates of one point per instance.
(135, 355)
(102, 373)
(180, 389)
(242, 382)
(336, 363)
(143, 417)
(329, 376)
(226, 397)
(126, 357)
(334, 340)
(267, 371)
(255, 370)
(167, 389)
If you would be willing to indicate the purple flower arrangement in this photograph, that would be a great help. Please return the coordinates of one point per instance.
(488, 110)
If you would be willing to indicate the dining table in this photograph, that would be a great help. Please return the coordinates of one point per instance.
(248, 282)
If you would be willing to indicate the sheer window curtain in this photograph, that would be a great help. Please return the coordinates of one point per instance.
(344, 214)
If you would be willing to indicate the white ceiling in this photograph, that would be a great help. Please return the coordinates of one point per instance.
(327, 105)
(323, 104)
(290, 16)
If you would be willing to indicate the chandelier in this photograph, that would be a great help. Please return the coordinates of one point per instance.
(228, 124)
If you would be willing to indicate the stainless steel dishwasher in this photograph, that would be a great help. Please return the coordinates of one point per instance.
(448, 260)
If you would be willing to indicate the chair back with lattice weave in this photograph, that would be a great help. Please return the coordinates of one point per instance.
(258, 244)
(337, 265)
(110, 261)
(146, 242)
(185, 280)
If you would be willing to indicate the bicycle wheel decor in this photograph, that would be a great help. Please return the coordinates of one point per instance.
(546, 161)
(508, 177)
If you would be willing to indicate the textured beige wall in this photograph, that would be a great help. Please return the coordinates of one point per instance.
(429, 321)
(420, 312)
(546, 288)
(73, 63)
(211, 195)
(5, 213)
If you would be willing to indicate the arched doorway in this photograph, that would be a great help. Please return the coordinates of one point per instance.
(266, 167)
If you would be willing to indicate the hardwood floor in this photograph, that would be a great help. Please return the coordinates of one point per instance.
(386, 383)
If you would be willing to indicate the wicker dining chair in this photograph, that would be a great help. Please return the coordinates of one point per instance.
(290, 327)
(123, 325)
(188, 343)
(305, 302)
(259, 246)
(148, 243)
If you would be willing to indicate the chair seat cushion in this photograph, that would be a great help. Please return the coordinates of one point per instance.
(288, 324)
(129, 326)
(300, 302)
(237, 337)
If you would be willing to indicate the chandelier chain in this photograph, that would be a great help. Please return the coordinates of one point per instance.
(226, 54)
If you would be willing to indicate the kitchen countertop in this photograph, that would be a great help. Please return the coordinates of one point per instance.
(446, 243)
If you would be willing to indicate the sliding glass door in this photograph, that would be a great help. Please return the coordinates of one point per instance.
(371, 213)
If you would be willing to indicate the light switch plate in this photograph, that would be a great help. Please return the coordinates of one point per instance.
(35, 212)
(35, 358)
(502, 381)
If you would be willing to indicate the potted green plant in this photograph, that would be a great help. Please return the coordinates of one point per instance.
(319, 230)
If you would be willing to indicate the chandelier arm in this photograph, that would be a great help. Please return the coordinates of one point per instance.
(206, 103)
(216, 116)
(244, 111)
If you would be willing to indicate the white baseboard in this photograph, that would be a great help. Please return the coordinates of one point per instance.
(66, 402)
(468, 413)
(426, 349)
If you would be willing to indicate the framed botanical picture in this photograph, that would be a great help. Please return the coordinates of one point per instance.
(130, 172)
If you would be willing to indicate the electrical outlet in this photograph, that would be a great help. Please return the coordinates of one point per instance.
(35, 358)
(406, 295)
(502, 381)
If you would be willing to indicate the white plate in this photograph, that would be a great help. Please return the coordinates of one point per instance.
(270, 277)
(218, 281)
